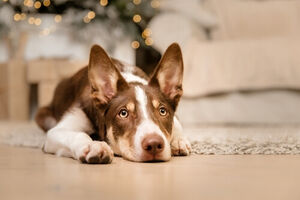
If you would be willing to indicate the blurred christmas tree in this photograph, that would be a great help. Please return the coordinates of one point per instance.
(118, 17)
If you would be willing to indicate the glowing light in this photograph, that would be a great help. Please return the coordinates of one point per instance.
(46, 31)
(155, 3)
(5, 0)
(137, 18)
(57, 18)
(149, 41)
(146, 33)
(31, 20)
(17, 17)
(28, 3)
(37, 21)
(23, 16)
(103, 2)
(136, 2)
(91, 15)
(135, 44)
(37, 4)
(46, 3)
(86, 19)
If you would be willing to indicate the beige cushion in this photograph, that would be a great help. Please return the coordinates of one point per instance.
(224, 66)
(255, 19)
(165, 30)
(259, 107)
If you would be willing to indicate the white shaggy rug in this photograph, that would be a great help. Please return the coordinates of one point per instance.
(271, 139)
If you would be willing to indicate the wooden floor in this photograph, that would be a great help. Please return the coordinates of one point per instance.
(30, 174)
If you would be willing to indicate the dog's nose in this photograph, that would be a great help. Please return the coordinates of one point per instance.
(153, 144)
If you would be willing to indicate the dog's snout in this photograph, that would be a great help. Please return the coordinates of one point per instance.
(153, 144)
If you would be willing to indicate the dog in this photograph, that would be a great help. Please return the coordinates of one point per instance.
(132, 115)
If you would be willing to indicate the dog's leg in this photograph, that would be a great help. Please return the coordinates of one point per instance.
(180, 145)
(70, 138)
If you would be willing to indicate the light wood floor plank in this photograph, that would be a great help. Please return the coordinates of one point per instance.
(30, 174)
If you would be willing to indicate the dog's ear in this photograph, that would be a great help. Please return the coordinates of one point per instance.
(105, 79)
(168, 74)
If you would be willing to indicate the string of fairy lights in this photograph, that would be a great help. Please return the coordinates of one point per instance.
(90, 16)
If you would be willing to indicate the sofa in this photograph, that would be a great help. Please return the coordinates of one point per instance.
(244, 66)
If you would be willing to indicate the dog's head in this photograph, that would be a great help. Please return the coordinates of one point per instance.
(138, 114)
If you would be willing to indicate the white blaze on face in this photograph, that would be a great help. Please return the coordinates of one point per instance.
(133, 78)
(130, 77)
(147, 126)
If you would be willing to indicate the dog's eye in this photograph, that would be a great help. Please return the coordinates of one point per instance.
(162, 111)
(123, 113)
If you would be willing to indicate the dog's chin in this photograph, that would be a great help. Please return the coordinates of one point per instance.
(131, 155)
(154, 158)
(147, 158)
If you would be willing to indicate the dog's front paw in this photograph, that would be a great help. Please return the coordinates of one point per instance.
(180, 146)
(96, 152)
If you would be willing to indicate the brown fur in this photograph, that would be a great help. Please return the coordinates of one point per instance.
(77, 89)
(66, 93)
(165, 123)
(100, 91)
(126, 128)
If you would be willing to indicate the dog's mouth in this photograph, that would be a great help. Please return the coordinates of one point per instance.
(145, 157)
(151, 158)
(154, 161)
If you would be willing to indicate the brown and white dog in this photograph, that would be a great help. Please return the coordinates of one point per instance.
(133, 115)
